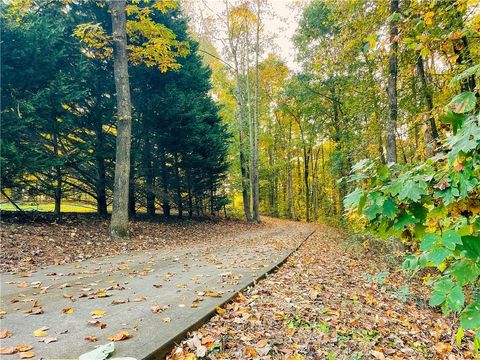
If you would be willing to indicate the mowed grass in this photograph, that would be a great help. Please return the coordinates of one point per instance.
(66, 206)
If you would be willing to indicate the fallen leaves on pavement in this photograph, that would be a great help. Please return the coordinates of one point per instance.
(123, 335)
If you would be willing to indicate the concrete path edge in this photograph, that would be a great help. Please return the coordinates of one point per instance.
(167, 347)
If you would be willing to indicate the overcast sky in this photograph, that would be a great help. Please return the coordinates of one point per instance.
(280, 22)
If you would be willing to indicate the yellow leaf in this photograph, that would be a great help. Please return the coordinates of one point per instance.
(26, 355)
(23, 347)
(428, 18)
(40, 333)
(220, 310)
(98, 312)
(67, 310)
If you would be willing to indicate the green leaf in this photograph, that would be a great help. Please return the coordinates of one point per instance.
(463, 103)
(412, 190)
(445, 290)
(472, 70)
(410, 263)
(459, 336)
(437, 257)
(389, 209)
(471, 316)
(450, 239)
(372, 211)
(471, 246)
(404, 220)
(429, 242)
(352, 199)
(456, 299)
(465, 271)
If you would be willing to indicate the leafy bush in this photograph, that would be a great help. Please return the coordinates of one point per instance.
(435, 208)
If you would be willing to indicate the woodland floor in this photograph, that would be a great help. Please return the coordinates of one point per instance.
(330, 301)
(334, 298)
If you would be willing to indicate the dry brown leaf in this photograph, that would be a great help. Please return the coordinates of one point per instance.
(158, 309)
(8, 350)
(24, 347)
(122, 335)
(250, 352)
(120, 301)
(262, 343)
(91, 338)
(5, 334)
(26, 355)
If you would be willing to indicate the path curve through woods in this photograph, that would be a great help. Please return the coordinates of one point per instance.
(153, 297)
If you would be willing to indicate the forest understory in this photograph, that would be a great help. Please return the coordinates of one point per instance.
(335, 298)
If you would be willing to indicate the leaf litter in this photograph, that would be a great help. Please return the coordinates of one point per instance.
(330, 300)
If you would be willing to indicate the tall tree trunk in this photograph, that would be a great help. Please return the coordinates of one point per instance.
(392, 85)
(57, 176)
(100, 183)
(131, 191)
(149, 177)
(178, 186)
(306, 173)
(164, 176)
(290, 206)
(240, 116)
(255, 179)
(376, 106)
(119, 222)
(428, 99)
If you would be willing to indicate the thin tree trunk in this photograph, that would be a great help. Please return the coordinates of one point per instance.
(131, 191)
(290, 207)
(306, 174)
(149, 177)
(119, 222)
(392, 85)
(164, 176)
(100, 183)
(57, 176)
(255, 179)
(428, 99)
(240, 116)
(178, 186)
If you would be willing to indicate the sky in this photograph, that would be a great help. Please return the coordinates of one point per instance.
(280, 23)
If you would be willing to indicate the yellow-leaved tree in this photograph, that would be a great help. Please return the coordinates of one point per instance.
(136, 37)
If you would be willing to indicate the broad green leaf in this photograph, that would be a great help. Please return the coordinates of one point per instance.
(465, 271)
(404, 220)
(410, 263)
(352, 199)
(471, 246)
(450, 239)
(372, 211)
(463, 103)
(456, 299)
(412, 190)
(438, 256)
(429, 242)
(389, 209)
(470, 318)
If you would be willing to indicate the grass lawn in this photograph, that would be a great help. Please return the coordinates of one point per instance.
(67, 206)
